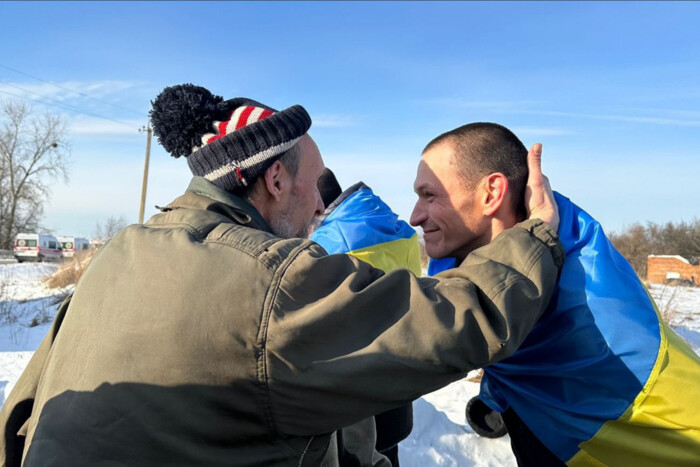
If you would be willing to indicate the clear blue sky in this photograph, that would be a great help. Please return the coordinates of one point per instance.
(610, 89)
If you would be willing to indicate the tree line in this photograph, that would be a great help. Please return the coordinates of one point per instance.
(638, 241)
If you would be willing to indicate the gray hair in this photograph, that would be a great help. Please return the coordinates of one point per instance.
(290, 159)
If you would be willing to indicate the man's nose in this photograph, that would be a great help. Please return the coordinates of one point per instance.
(320, 207)
(418, 215)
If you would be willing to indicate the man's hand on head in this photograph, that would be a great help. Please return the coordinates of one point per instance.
(539, 199)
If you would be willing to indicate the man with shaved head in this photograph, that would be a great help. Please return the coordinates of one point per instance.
(600, 380)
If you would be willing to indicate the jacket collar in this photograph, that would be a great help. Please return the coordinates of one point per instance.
(202, 194)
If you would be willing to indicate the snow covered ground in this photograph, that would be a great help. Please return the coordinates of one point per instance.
(681, 307)
(440, 435)
(26, 310)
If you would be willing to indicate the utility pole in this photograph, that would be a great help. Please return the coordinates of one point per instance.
(148, 131)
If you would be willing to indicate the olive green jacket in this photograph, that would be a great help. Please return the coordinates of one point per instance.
(200, 338)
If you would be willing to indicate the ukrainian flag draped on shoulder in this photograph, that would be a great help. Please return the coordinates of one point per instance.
(601, 380)
(362, 225)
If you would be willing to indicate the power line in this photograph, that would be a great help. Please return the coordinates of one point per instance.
(69, 107)
(62, 106)
(70, 90)
(59, 104)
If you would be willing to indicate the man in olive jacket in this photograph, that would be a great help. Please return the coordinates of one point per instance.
(212, 336)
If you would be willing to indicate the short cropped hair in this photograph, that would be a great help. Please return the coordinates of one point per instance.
(291, 159)
(481, 149)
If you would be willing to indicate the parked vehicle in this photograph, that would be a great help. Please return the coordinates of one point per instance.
(36, 247)
(69, 245)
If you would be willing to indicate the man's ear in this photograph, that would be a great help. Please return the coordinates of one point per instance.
(495, 190)
(275, 179)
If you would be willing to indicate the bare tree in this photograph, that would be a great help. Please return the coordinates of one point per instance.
(424, 258)
(635, 244)
(110, 228)
(33, 152)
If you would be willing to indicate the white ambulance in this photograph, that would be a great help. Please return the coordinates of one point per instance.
(71, 245)
(37, 247)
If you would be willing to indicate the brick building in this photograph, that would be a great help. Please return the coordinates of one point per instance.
(662, 268)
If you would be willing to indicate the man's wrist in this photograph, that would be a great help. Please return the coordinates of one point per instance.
(544, 232)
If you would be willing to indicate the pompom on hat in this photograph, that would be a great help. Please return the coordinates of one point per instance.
(230, 143)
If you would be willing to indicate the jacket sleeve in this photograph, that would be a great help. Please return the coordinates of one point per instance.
(17, 409)
(344, 341)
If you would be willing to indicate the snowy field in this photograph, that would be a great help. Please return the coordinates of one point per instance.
(440, 436)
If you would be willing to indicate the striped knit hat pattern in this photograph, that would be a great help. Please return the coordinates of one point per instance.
(230, 143)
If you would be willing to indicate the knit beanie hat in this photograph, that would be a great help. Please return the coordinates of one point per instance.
(230, 143)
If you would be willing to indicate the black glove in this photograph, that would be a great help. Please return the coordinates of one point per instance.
(484, 421)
